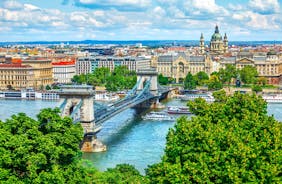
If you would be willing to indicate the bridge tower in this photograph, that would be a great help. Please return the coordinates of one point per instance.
(151, 75)
(77, 101)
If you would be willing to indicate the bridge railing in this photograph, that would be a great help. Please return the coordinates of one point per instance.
(130, 102)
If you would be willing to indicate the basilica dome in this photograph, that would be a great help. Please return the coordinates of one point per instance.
(216, 36)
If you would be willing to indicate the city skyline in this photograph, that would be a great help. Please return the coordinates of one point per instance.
(74, 20)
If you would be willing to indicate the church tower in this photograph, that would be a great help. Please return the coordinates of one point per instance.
(202, 44)
(216, 44)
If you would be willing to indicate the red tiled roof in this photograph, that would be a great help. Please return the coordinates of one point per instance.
(64, 63)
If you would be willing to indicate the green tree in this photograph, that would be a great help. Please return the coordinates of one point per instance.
(45, 150)
(48, 87)
(226, 142)
(256, 88)
(122, 173)
(201, 78)
(162, 80)
(79, 79)
(262, 81)
(227, 74)
(189, 82)
(220, 96)
(100, 75)
(248, 74)
(214, 83)
(121, 78)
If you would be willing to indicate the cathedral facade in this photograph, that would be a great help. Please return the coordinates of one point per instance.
(218, 46)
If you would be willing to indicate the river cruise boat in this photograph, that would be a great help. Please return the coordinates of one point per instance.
(273, 98)
(192, 97)
(178, 110)
(158, 116)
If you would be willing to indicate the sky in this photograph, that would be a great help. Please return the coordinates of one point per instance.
(75, 20)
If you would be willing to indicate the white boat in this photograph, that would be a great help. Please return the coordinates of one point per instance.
(274, 98)
(158, 116)
(178, 110)
(208, 97)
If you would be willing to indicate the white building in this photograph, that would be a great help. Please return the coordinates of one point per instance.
(89, 64)
(63, 72)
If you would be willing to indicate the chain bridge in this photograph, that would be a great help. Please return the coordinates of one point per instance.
(77, 102)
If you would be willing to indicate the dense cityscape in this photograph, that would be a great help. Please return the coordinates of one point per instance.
(40, 66)
(142, 92)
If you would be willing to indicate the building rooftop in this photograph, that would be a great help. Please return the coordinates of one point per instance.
(14, 66)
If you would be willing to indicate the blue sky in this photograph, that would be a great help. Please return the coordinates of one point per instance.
(50, 20)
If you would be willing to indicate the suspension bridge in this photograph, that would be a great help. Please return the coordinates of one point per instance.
(77, 102)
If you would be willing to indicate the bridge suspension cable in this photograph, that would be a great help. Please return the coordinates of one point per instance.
(75, 112)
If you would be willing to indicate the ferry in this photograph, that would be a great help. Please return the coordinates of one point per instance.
(158, 116)
(208, 97)
(178, 110)
(29, 95)
(274, 98)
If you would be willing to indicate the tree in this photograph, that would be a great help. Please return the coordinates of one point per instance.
(48, 87)
(189, 82)
(256, 88)
(201, 78)
(122, 173)
(214, 83)
(45, 150)
(248, 74)
(162, 80)
(262, 81)
(121, 78)
(226, 142)
(227, 74)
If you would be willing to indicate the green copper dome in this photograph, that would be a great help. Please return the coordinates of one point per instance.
(216, 35)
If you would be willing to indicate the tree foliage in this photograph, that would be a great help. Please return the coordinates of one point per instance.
(201, 78)
(163, 80)
(214, 83)
(121, 78)
(229, 141)
(248, 74)
(189, 82)
(45, 150)
(256, 88)
(122, 173)
(227, 74)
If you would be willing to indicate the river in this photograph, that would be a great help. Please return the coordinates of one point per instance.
(129, 139)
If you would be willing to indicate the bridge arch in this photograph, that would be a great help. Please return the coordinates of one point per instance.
(150, 75)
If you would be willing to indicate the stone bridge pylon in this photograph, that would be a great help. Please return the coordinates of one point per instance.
(77, 102)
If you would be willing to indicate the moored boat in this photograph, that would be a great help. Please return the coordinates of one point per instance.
(275, 98)
(158, 116)
(178, 110)
(192, 97)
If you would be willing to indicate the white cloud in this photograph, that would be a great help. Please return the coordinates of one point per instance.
(118, 4)
(146, 19)
(12, 5)
(265, 6)
(30, 7)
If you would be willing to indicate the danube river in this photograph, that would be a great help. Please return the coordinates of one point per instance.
(129, 139)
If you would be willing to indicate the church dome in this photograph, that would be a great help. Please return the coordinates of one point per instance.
(216, 36)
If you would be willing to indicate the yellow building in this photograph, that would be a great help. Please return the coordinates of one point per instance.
(16, 76)
(42, 70)
(268, 65)
(178, 65)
